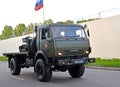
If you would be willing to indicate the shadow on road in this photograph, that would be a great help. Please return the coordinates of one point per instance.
(64, 79)
(59, 77)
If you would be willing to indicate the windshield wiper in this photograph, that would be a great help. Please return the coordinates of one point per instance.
(63, 37)
(68, 37)
(75, 36)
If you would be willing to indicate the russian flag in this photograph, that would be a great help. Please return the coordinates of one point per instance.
(38, 5)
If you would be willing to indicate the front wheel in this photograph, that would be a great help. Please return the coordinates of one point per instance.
(43, 72)
(77, 71)
(15, 68)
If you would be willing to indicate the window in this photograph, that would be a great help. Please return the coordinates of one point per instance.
(45, 33)
(68, 32)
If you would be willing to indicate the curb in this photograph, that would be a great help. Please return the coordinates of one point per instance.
(103, 68)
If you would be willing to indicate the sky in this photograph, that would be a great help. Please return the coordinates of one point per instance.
(13, 12)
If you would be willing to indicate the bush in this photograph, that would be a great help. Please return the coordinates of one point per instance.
(3, 58)
(115, 62)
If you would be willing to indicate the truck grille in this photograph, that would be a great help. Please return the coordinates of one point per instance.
(73, 52)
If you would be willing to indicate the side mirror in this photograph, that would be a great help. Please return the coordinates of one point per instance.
(36, 28)
(85, 26)
(88, 33)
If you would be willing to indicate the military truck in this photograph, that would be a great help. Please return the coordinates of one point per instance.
(55, 47)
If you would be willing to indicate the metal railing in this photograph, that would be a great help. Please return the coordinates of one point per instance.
(103, 14)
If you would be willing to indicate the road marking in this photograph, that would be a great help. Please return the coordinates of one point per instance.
(17, 78)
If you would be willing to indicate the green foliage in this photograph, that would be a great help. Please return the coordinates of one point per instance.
(82, 21)
(19, 29)
(66, 22)
(60, 22)
(7, 32)
(1, 37)
(115, 62)
(29, 29)
(69, 22)
(3, 58)
(49, 21)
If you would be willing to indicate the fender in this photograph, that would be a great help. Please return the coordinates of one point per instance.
(41, 54)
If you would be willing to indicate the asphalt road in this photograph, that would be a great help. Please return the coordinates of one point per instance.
(91, 78)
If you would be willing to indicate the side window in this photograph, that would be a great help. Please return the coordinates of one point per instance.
(45, 33)
(48, 33)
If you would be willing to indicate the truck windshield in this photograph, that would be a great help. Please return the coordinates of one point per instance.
(68, 32)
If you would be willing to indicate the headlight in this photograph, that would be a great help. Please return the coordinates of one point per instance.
(60, 53)
(87, 52)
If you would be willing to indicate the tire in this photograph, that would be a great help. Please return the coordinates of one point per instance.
(43, 72)
(15, 68)
(33, 48)
(33, 45)
(77, 71)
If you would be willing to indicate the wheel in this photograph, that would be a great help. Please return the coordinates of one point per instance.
(15, 68)
(43, 72)
(77, 71)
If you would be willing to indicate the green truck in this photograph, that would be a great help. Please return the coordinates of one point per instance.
(55, 47)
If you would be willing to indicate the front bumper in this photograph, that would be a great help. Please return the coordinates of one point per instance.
(84, 60)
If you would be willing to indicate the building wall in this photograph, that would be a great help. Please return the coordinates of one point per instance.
(105, 37)
(11, 45)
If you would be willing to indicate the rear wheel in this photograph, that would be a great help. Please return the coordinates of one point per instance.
(43, 72)
(15, 68)
(77, 71)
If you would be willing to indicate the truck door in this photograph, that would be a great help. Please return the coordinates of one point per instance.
(46, 42)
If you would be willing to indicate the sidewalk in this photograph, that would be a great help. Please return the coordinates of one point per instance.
(103, 68)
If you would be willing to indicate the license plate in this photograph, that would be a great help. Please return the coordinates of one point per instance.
(78, 61)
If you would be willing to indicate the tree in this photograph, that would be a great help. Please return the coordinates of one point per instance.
(87, 20)
(29, 29)
(60, 22)
(19, 29)
(1, 37)
(7, 32)
(49, 21)
(69, 22)
(81, 21)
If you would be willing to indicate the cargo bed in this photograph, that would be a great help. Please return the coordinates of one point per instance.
(16, 54)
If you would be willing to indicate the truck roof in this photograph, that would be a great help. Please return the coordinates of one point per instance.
(57, 24)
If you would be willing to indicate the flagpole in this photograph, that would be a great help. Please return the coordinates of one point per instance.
(39, 5)
(43, 12)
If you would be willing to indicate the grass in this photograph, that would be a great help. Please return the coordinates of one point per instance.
(115, 62)
(3, 58)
